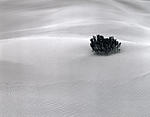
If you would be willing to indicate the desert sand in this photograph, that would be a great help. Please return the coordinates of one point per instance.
(47, 68)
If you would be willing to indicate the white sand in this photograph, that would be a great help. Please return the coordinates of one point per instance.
(47, 68)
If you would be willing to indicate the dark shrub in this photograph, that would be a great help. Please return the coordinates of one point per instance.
(104, 46)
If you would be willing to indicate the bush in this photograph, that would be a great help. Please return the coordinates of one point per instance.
(104, 46)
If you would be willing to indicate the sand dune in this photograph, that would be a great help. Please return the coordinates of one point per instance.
(47, 68)
(87, 17)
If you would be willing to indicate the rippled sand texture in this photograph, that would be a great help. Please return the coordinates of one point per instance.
(47, 68)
